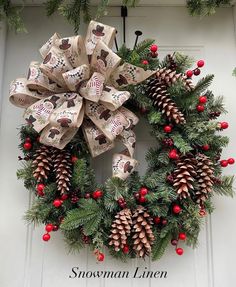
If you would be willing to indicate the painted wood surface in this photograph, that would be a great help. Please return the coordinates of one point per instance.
(26, 261)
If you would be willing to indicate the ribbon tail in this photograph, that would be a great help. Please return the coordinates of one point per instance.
(97, 142)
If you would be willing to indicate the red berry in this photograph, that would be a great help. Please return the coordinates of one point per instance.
(143, 191)
(224, 125)
(157, 219)
(28, 140)
(206, 147)
(174, 242)
(202, 212)
(64, 196)
(49, 227)
(143, 110)
(154, 55)
(202, 99)
(57, 202)
(173, 154)
(122, 205)
(224, 163)
(200, 63)
(27, 145)
(142, 199)
(136, 195)
(176, 209)
(46, 237)
(97, 194)
(197, 72)
(74, 199)
(167, 129)
(200, 108)
(100, 257)
(189, 73)
(182, 236)
(145, 62)
(40, 187)
(87, 195)
(40, 193)
(74, 158)
(231, 161)
(55, 227)
(179, 251)
(153, 48)
(164, 221)
(125, 249)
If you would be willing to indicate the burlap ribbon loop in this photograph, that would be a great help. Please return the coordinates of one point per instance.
(76, 86)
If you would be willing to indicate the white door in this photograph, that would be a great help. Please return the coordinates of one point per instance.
(26, 261)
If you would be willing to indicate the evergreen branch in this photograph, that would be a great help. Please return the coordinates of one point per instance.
(144, 46)
(74, 239)
(88, 215)
(154, 117)
(200, 87)
(180, 143)
(102, 8)
(183, 62)
(225, 187)
(83, 177)
(12, 15)
(38, 213)
(159, 246)
(25, 173)
(52, 6)
(115, 189)
(205, 7)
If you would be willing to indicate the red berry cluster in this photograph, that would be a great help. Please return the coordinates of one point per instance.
(140, 195)
(174, 242)
(153, 54)
(40, 189)
(224, 163)
(153, 50)
(202, 101)
(168, 142)
(196, 71)
(28, 144)
(122, 203)
(160, 221)
(49, 228)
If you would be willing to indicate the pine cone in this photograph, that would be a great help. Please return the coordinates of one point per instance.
(169, 77)
(204, 178)
(142, 232)
(161, 99)
(42, 163)
(184, 175)
(62, 167)
(121, 228)
(171, 63)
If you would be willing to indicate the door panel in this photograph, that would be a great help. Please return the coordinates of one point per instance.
(26, 260)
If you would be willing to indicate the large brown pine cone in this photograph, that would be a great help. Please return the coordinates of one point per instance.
(143, 236)
(121, 229)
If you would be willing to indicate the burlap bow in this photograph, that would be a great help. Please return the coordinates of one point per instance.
(76, 86)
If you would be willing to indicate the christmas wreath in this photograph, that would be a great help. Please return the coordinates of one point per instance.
(79, 101)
